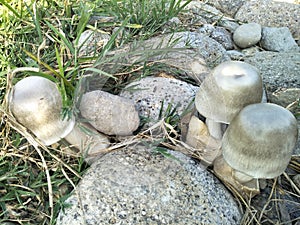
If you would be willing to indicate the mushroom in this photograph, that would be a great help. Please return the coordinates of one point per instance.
(88, 140)
(225, 91)
(37, 104)
(258, 144)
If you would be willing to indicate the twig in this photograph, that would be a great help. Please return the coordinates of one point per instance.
(291, 182)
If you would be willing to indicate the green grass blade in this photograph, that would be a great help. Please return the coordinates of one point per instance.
(50, 69)
(101, 72)
(63, 38)
(4, 2)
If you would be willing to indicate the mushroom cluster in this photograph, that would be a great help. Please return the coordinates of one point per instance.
(37, 104)
(259, 140)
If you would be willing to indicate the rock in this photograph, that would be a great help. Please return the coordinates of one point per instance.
(278, 39)
(212, 51)
(251, 51)
(90, 42)
(151, 92)
(171, 25)
(229, 25)
(204, 12)
(280, 72)
(110, 114)
(286, 97)
(137, 185)
(270, 13)
(219, 34)
(247, 35)
(191, 52)
(229, 7)
(235, 55)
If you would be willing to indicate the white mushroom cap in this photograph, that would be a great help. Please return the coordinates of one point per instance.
(260, 140)
(227, 89)
(37, 104)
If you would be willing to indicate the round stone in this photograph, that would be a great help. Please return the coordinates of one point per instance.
(247, 35)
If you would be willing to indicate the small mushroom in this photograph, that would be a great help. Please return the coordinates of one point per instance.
(258, 144)
(37, 104)
(225, 91)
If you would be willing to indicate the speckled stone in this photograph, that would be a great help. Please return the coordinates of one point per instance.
(108, 113)
(247, 35)
(235, 55)
(139, 186)
(212, 51)
(229, 7)
(279, 70)
(278, 39)
(149, 93)
(90, 42)
(219, 34)
(270, 13)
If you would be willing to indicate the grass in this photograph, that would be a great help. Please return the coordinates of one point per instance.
(35, 179)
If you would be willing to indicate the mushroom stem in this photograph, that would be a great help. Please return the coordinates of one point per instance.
(226, 173)
(214, 128)
(87, 140)
(241, 177)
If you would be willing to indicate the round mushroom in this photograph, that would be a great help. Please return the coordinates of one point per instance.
(225, 91)
(257, 144)
(37, 104)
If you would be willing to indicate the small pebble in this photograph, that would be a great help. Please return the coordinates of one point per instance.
(247, 35)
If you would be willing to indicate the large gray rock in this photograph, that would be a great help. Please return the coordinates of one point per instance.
(229, 7)
(279, 70)
(190, 52)
(151, 92)
(110, 114)
(140, 186)
(278, 39)
(204, 12)
(270, 13)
